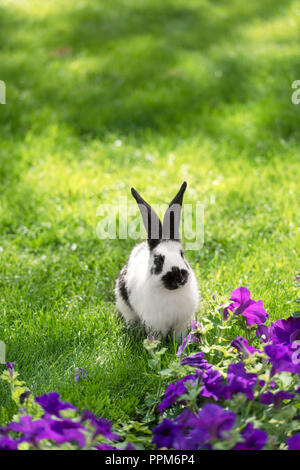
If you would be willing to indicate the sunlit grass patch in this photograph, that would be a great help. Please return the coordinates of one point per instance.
(102, 96)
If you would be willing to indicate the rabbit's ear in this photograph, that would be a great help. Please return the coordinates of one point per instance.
(150, 218)
(171, 220)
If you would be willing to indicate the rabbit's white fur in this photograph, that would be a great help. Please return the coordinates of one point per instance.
(161, 310)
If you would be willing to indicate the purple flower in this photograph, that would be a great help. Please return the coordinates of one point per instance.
(181, 347)
(212, 384)
(171, 394)
(52, 404)
(254, 439)
(59, 431)
(264, 333)
(80, 373)
(215, 420)
(32, 431)
(196, 360)
(165, 433)
(186, 419)
(197, 430)
(241, 344)
(275, 398)
(11, 367)
(104, 446)
(192, 337)
(193, 440)
(6, 443)
(189, 438)
(130, 446)
(281, 358)
(173, 391)
(272, 384)
(239, 381)
(294, 442)
(101, 425)
(193, 432)
(242, 304)
(286, 331)
(282, 331)
(65, 430)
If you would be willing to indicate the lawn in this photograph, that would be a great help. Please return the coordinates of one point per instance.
(102, 96)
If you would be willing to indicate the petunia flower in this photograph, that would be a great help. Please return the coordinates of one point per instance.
(32, 431)
(104, 446)
(281, 358)
(52, 404)
(264, 333)
(165, 433)
(130, 446)
(181, 347)
(241, 344)
(195, 439)
(59, 431)
(65, 430)
(282, 331)
(254, 439)
(212, 384)
(286, 331)
(196, 360)
(101, 425)
(186, 419)
(191, 437)
(6, 443)
(196, 431)
(242, 304)
(239, 381)
(192, 337)
(275, 398)
(294, 442)
(215, 420)
(173, 391)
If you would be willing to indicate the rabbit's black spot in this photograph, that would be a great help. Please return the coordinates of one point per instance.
(175, 278)
(181, 254)
(122, 286)
(157, 264)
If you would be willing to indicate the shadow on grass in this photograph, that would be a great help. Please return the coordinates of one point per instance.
(125, 69)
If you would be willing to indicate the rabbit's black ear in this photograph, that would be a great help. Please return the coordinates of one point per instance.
(150, 218)
(171, 220)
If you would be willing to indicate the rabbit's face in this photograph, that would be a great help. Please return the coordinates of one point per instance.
(168, 266)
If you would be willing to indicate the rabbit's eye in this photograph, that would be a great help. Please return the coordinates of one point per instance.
(157, 264)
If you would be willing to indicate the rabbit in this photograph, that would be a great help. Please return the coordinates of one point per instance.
(157, 286)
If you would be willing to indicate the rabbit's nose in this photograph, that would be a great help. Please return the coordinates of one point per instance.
(180, 274)
(175, 278)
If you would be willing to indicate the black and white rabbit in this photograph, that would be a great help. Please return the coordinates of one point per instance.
(157, 286)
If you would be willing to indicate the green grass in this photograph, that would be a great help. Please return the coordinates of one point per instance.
(195, 90)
